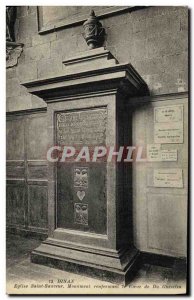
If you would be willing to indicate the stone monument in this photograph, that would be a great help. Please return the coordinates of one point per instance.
(89, 206)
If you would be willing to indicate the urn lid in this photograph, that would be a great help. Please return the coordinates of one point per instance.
(92, 19)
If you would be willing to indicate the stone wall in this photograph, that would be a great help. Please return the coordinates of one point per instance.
(160, 213)
(154, 40)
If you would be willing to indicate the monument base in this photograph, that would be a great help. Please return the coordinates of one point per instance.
(109, 265)
(90, 202)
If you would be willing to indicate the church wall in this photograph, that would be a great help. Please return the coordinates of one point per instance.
(155, 41)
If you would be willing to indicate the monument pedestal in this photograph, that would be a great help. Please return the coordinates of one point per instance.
(90, 202)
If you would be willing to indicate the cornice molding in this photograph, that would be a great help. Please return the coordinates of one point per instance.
(96, 71)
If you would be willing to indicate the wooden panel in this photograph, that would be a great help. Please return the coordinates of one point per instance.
(37, 170)
(16, 203)
(15, 138)
(36, 137)
(15, 169)
(38, 206)
(27, 179)
(167, 222)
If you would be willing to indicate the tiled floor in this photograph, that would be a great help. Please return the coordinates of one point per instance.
(25, 277)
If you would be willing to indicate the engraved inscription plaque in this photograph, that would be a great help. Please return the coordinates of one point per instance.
(80, 199)
(169, 155)
(82, 126)
(168, 124)
(168, 178)
(172, 113)
(168, 133)
(155, 153)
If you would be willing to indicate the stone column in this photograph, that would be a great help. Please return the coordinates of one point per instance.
(89, 208)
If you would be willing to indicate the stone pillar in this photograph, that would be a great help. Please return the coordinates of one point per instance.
(89, 208)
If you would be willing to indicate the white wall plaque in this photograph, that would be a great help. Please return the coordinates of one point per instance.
(168, 124)
(168, 133)
(168, 178)
(172, 113)
(155, 153)
(169, 155)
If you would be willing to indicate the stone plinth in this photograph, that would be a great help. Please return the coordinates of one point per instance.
(89, 219)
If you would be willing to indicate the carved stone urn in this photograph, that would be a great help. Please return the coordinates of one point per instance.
(93, 31)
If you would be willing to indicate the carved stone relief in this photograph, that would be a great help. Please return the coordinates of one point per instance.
(13, 52)
(81, 213)
(81, 177)
(81, 182)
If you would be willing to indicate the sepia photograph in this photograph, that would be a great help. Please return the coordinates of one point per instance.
(97, 150)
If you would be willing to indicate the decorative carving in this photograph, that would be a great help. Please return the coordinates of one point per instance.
(81, 213)
(81, 177)
(81, 195)
(13, 49)
(11, 12)
(13, 52)
(93, 31)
